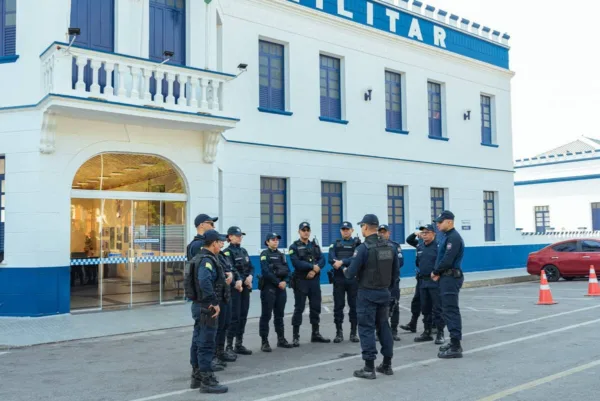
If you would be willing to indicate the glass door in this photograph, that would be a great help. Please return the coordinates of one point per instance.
(146, 252)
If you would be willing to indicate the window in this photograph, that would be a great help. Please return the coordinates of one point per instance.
(570, 246)
(396, 213)
(2, 206)
(486, 120)
(596, 216)
(434, 93)
(437, 202)
(489, 216)
(273, 217)
(393, 101)
(590, 246)
(331, 211)
(8, 27)
(271, 74)
(542, 218)
(331, 99)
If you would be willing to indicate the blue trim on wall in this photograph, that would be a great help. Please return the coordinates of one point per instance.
(359, 155)
(396, 131)
(9, 59)
(491, 145)
(138, 58)
(457, 41)
(274, 111)
(438, 138)
(559, 162)
(333, 120)
(34, 291)
(560, 179)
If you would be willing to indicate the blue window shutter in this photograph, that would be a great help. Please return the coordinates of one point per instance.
(489, 216)
(273, 206)
(271, 76)
(2, 205)
(434, 92)
(542, 218)
(596, 216)
(331, 211)
(8, 27)
(486, 120)
(393, 100)
(330, 86)
(167, 30)
(396, 213)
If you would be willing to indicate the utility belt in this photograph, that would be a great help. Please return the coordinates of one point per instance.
(424, 277)
(206, 318)
(456, 273)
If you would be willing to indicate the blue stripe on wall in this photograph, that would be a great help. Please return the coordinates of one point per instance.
(558, 179)
(46, 290)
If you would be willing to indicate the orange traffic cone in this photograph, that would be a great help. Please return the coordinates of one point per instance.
(545, 294)
(593, 288)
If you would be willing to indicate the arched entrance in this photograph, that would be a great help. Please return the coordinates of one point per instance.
(127, 232)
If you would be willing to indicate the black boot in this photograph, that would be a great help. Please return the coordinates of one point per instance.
(196, 380)
(412, 326)
(265, 347)
(218, 365)
(425, 336)
(395, 334)
(282, 342)
(232, 356)
(454, 351)
(386, 367)
(239, 347)
(317, 337)
(210, 385)
(353, 336)
(368, 372)
(439, 337)
(339, 334)
(224, 357)
(296, 338)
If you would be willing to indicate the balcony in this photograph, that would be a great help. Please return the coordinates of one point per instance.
(108, 86)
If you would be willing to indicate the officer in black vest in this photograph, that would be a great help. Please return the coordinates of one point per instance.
(272, 285)
(307, 260)
(340, 255)
(202, 222)
(206, 310)
(240, 300)
(449, 273)
(384, 232)
(427, 251)
(375, 264)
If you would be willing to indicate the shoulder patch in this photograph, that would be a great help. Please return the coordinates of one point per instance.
(449, 246)
(226, 253)
(263, 257)
(355, 253)
(208, 266)
(291, 251)
(331, 246)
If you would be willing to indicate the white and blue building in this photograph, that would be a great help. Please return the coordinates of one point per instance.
(120, 120)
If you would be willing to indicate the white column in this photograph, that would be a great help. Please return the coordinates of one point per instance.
(135, 82)
(81, 62)
(170, 88)
(147, 74)
(108, 89)
(203, 90)
(193, 89)
(121, 92)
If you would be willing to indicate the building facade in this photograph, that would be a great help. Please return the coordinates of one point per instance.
(559, 189)
(121, 120)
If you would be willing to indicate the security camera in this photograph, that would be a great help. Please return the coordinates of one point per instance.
(242, 66)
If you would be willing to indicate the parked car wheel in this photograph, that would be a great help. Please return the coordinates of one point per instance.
(552, 273)
(569, 278)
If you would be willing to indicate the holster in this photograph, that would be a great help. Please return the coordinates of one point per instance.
(206, 318)
(261, 283)
(330, 276)
(293, 282)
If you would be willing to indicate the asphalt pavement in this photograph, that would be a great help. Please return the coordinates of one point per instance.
(514, 350)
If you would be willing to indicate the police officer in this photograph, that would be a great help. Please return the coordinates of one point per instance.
(415, 308)
(272, 284)
(450, 276)
(384, 232)
(202, 222)
(375, 264)
(240, 300)
(427, 251)
(205, 311)
(307, 260)
(232, 279)
(340, 255)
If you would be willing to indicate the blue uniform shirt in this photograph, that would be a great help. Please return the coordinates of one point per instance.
(302, 265)
(195, 246)
(450, 252)
(398, 249)
(267, 258)
(346, 243)
(207, 277)
(359, 262)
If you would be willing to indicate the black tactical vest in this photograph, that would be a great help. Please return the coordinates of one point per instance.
(378, 273)
(221, 288)
(344, 251)
(241, 260)
(278, 265)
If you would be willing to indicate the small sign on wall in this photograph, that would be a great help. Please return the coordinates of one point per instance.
(466, 225)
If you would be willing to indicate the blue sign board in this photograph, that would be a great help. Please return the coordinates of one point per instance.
(403, 23)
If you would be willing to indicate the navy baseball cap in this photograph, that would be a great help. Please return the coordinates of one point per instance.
(213, 235)
(383, 227)
(370, 219)
(201, 218)
(427, 227)
(233, 230)
(346, 224)
(445, 215)
(272, 236)
(304, 225)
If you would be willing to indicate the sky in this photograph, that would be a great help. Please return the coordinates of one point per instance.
(556, 89)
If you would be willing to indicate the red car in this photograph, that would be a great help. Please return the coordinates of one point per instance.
(567, 259)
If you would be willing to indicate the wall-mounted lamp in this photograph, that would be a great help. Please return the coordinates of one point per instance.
(467, 115)
(74, 32)
(167, 54)
(243, 67)
(368, 95)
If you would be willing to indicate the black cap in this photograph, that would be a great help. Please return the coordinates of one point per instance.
(383, 227)
(304, 225)
(213, 235)
(370, 219)
(445, 215)
(272, 236)
(346, 224)
(233, 230)
(427, 227)
(201, 218)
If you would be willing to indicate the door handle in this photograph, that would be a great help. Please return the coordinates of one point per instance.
(554, 257)
(587, 257)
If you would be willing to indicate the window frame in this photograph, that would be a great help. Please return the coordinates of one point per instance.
(433, 133)
(269, 106)
(326, 113)
(489, 228)
(283, 242)
(398, 230)
(487, 133)
(2, 206)
(7, 56)
(329, 237)
(545, 215)
(389, 102)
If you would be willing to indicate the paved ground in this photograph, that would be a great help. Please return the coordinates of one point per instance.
(18, 332)
(514, 350)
